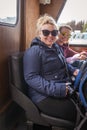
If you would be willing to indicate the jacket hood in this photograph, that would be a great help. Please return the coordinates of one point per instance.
(37, 41)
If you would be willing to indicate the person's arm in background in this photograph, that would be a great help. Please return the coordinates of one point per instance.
(73, 55)
(69, 52)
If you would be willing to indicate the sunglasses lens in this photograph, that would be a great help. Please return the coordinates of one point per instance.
(66, 35)
(63, 34)
(54, 32)
(47, 32)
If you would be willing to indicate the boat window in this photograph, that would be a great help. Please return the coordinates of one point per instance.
(8, 12)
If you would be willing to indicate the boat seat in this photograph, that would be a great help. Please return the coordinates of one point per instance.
(18, 89)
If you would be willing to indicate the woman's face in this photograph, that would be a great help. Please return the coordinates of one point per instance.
(64, 35)
(48, 34)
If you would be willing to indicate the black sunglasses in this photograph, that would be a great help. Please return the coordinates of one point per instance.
(47, 32)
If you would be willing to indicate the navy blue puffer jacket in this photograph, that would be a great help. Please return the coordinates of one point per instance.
(44, 71)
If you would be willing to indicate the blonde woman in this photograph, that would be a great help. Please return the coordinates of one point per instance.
(47, 74)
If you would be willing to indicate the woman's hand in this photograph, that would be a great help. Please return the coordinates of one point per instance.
(82, 57)
(67, 87)
(67, 90)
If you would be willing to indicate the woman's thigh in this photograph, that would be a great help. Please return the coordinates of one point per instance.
(60, 108)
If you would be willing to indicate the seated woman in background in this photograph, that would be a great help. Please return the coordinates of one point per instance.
(47, 73)
(71, 56)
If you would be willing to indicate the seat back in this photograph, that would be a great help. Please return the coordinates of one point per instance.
(16, 72)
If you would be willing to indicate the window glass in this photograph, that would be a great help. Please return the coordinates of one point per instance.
(74, 10)
(8, 11)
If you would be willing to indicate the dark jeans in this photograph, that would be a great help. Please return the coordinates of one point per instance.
(60, 108)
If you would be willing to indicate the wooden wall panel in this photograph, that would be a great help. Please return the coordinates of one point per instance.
(9, 43)
(31, 14)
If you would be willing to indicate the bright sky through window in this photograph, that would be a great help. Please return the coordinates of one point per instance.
(7, 8)
(74, 10)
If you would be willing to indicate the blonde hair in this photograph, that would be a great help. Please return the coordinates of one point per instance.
(45, 19)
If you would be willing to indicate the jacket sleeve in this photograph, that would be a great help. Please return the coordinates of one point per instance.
(73, 58)
(32, 68)
(71, 69)
(70, 52)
